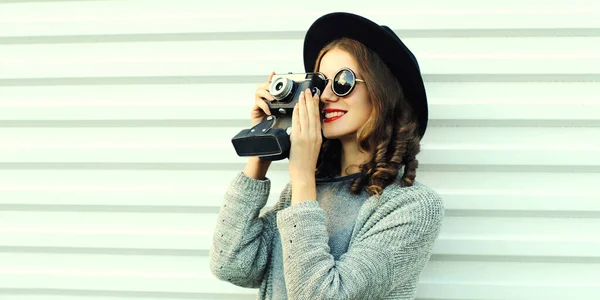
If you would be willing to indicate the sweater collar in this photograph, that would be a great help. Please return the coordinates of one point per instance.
(340, 178)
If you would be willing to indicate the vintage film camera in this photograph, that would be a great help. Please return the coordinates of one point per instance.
(270, 139)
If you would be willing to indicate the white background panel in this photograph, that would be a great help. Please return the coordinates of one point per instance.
(506, 280)
(111, 272)
(90, 296)
(107, 230)
(447, 101)
(518, 274)
(441, 145)
(116, 119)
(568, 55)
(181, 274)
(497, 236)
(95, 295)
(464, 191)
(126, 17)
(124, 187)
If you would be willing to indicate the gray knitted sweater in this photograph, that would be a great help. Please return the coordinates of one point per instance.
(390, 243)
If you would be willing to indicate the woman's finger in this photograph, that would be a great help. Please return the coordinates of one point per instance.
(310, 112)
(317, 119)
(264, 94)
(268, 83)
(302, 113)
(263, 105)
(265, 85)
(295, 121)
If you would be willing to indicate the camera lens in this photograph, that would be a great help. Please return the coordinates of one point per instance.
(281, 88)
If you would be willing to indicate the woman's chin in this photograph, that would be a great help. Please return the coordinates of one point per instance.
(337, 131)
(333, 135)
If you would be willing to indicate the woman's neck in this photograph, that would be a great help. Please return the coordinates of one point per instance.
(352, 157)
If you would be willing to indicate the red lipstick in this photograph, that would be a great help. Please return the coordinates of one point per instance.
(330, 110)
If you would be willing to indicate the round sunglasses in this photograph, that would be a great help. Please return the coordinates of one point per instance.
(343, 82)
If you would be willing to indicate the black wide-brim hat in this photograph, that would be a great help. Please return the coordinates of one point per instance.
(380, 39)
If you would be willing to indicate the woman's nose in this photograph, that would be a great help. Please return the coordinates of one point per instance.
(328, 95)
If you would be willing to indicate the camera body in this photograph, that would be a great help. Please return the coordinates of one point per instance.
(270, 139)
(286, 89)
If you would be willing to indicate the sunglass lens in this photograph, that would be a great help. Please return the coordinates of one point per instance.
(343, 82)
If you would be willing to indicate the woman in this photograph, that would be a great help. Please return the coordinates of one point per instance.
(353, 223)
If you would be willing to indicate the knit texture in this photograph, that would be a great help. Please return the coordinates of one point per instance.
(341, 208)
(390, 242)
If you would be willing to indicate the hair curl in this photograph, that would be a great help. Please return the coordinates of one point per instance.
(390, 134)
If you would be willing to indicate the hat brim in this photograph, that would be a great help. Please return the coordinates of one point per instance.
(380, 39)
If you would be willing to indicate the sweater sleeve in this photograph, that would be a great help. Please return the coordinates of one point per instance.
(242, 239)
(390, 251)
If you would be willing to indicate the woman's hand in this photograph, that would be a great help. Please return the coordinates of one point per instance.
(260, 109)
(255, 167)
(306, 142)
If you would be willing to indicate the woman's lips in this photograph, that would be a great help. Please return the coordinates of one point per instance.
(327, 120)
(333, 113)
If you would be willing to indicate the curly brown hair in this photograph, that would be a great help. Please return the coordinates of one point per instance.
(390, 135)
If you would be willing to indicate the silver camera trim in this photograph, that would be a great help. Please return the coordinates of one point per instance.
(289, 80)
(285, 91)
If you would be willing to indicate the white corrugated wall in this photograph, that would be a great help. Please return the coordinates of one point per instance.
(116, 119)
